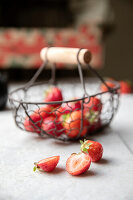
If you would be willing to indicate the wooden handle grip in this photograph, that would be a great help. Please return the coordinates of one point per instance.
(65, 55)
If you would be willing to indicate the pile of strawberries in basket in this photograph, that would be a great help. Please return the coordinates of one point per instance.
(67, 118)
(57, 118)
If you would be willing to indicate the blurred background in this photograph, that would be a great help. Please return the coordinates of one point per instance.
(105, 27)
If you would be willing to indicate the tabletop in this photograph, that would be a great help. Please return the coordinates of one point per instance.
(111, 178)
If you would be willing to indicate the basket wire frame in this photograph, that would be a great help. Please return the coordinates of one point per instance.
(23, 109)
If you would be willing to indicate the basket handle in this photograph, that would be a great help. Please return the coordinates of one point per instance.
(65, 55)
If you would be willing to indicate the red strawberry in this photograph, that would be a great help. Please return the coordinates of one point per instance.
(72, 106)
(68, 108)
(59, 111)
(104, 88)
(47, 164)
(72, 124)
(125, 87)
(94, 104)
(77, 164)
(52, 126)
(37, 117)
(94, 149)
(53, 94)
(95, 126)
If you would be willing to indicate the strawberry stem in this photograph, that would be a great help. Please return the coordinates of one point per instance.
(85, 146)
(34, 168)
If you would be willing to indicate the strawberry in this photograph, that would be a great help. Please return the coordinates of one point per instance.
(53, 94)
(94, 104)
(94, 126)
(94, 149)
(68, 108)
(47, 164)
(59, 111)
(72, 124)
(52, 126)
(104, 88)
(37, 118)
(77, 164)
(125, 87)
(72, 106)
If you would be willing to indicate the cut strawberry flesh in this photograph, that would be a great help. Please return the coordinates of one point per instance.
(78, 163)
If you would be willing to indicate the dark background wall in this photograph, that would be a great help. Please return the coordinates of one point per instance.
(119, 44)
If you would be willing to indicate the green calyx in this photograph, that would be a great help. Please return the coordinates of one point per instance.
(85, 146)
(92, 116)
(35, 167)
(65, 117)
(47, 92)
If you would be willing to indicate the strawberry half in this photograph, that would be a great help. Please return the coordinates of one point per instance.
(77, 164)
(53, 94)
(52, 126)
(47, 164)
(37, 117)
(94, 149)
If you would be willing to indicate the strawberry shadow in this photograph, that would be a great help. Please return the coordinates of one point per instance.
(88, 173)
(57, 170)
(103, 161)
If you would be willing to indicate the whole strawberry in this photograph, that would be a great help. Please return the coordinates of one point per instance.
(94, 149)
(53, 94)
(52, 126)
(77, 164)
(104, 87)
(94, 104)
(47, 164)
(125, 87)
(68, 108)
(72, 106)
(72, 124)
(34, 121)
(95, 125)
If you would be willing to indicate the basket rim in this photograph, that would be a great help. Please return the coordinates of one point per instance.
(112, 90)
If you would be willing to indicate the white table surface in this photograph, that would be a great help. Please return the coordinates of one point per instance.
(110, 179)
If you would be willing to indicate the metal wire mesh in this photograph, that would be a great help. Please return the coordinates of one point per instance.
(70, 119)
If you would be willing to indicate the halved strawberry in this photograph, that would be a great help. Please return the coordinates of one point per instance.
(94, 149)
(33, 123)
(53, 94)
(52, 126)
(77, 164)
(47, 164)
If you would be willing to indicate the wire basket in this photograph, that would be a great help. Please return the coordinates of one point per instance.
(85, 110)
